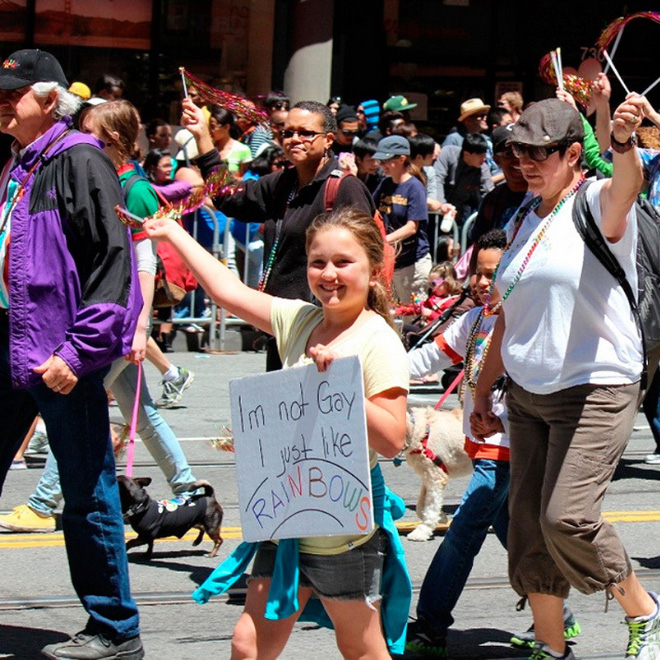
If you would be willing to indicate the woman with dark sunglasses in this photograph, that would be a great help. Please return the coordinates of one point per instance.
(568, 342)
(288, 200)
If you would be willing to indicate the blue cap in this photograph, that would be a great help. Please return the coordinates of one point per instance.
(392, 146)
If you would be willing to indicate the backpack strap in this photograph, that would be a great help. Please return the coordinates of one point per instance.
(332, 188)
(586, 226)
(130, 182)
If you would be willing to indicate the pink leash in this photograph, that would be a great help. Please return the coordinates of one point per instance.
(130, 452)
(447, 392)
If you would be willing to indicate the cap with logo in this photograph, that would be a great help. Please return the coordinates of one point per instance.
(499, 137)
(392, 146)
(472, 107)
(398, 103)
(25, 67)
(547, 122)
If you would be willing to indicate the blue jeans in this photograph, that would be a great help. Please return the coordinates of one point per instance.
(155, 432)
(77, 425)
(652, 408)
(484, 504)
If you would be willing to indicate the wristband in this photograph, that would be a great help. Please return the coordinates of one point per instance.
(623, 147)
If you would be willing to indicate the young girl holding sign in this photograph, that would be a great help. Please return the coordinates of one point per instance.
(344, 258)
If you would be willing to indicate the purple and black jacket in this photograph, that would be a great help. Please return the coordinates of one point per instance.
(73, 287)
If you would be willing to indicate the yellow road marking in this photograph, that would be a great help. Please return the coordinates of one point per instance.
(55, 539)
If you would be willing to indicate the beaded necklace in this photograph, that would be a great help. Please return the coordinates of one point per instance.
(472, 368)
(488, 310)
(278, 232)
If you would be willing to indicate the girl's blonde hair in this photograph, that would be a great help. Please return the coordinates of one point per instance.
(446, 271)
(121, 117)
(365, 231)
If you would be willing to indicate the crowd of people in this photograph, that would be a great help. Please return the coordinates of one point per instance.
(329, 252)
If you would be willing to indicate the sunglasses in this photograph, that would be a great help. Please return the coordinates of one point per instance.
(281, 163)
(537, 154)
(355, 132)
(305, 136)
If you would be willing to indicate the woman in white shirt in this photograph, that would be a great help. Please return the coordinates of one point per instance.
(568, 341)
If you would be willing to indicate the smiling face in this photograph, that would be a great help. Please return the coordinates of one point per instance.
(163, 171)
(510, 167)
(306, 150)
(338, 270)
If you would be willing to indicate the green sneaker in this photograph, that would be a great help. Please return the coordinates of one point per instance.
(422, 641)
(644, 635)
(544, 652)
(173, 389)
(526, 640)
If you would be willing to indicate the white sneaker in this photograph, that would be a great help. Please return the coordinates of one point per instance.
(644, 635)
(652, 459)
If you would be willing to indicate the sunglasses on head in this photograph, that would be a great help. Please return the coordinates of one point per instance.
(537, 154)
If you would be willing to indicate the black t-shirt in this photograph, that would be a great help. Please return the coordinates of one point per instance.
(496, 209)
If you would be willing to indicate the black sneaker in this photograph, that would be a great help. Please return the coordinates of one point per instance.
(88, 646)
(421, 640)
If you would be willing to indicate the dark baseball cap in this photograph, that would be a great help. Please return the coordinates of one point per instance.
(392, 146)
(25, 67)
(499, 137)
(547, 121)
(346, 113)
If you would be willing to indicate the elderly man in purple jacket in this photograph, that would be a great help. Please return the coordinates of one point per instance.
(69, 303)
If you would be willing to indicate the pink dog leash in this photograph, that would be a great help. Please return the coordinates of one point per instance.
(130, 452)
(449, 390)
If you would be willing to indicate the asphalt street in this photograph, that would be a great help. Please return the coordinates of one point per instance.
(38, 605)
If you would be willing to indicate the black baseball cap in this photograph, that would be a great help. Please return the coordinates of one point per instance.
(25, 67)
(499, 137)
(547, 121)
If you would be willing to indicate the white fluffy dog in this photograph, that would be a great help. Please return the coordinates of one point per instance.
(434, 436)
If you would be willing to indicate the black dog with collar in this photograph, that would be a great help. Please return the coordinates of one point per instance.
(153, 519)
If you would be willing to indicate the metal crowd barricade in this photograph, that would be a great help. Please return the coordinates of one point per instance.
(437, 220)
(465, 232)
(220, 252)
(217, 252)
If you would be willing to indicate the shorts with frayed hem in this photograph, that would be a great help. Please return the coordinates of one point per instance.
(352, 575)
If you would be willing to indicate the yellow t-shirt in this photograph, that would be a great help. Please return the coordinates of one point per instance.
(384, 366)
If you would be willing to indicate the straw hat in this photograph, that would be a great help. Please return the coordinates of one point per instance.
(472, 107)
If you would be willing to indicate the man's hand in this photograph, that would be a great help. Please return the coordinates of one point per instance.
(57, 375)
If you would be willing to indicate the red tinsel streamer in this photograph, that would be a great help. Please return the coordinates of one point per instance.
(579, 88)
(221, 182)
(617, 25)
(236, 104)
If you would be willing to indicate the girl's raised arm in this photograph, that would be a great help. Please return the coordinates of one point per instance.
(218, 281)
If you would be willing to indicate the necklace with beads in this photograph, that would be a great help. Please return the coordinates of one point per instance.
(472, 367)
(488, 310)
(278, 231)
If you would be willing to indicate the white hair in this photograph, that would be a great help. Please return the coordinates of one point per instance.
(67, 103)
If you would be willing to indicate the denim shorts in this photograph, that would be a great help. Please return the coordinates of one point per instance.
(352, 575)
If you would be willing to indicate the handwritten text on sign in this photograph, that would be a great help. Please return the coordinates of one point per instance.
(302, 461)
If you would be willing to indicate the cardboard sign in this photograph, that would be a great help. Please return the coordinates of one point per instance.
(302, 460)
